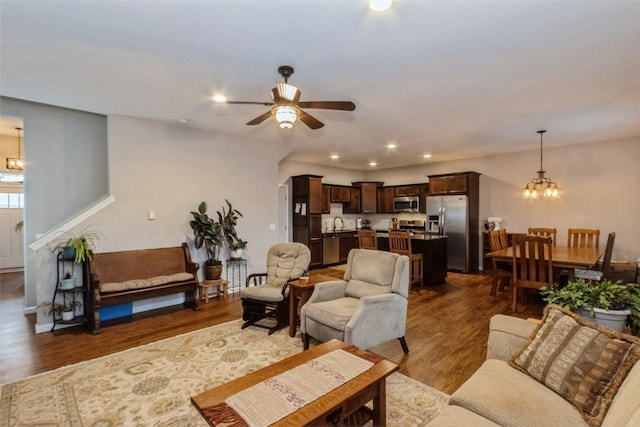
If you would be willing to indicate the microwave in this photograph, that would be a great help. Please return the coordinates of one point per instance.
(406, 204)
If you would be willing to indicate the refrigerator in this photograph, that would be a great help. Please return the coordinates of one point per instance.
(449, 216)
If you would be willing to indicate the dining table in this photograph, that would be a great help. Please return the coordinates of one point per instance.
(562, 257)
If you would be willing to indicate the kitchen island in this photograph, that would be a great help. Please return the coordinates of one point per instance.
(434, 255)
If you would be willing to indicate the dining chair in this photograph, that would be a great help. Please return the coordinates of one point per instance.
(544, 232)
(583, 238)
(367, 239)
(400, 243)
(532, 264)
(600, 271)
(501, 271)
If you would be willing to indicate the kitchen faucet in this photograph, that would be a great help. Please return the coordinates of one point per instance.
(341, 222)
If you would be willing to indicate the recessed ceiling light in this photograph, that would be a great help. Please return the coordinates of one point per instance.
(379, 5)
(426, 156)
(373, 164)
(391, 145)
(334, 157)
(219, 98)
(183, 121)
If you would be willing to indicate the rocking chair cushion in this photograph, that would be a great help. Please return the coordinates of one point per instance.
(265, 293)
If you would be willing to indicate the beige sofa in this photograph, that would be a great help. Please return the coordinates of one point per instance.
(499, 395)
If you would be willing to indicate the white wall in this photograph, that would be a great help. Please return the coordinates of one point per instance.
(171, 169)
(600, 183)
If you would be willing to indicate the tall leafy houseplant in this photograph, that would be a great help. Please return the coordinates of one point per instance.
(594, 297)
(228, 219)
(208, 233)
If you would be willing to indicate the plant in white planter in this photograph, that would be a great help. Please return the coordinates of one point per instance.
(60, 311)
(68, 281)
(612, 304)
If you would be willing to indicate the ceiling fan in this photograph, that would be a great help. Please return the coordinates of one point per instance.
(287, 107)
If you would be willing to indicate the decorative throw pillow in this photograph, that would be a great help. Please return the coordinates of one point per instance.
(582, 362)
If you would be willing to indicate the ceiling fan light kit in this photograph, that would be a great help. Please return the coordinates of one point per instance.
(287, 108)
(541, 185)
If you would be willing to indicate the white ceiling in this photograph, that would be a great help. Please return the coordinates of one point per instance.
(454, 79)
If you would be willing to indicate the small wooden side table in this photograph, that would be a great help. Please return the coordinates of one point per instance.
(221, 286)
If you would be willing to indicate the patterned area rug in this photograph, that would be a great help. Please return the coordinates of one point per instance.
(153, 384)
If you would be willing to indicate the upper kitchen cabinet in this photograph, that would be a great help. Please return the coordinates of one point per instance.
(368, 196)
(353, 207)
(456, 183)
(326, 199)
(340, 194)
(385, 200)
(407, 190)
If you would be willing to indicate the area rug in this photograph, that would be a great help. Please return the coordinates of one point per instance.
(153, 384)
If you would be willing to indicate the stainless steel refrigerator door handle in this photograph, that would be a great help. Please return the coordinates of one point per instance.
(442, 221)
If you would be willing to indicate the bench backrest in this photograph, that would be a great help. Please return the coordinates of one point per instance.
(139, 264)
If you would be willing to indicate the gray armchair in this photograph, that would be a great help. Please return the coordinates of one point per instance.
(365, 309)
(266, 295)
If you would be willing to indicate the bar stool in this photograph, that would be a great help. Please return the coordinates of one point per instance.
(367, 239)
(400, 243)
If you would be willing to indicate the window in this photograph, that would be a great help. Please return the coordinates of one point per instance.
(12, 200)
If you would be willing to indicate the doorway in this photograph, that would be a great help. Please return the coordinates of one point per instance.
(11, 194)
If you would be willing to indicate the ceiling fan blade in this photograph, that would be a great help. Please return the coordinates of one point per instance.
(329, 105)
(261, 118)
(267, 103)
(310, 121)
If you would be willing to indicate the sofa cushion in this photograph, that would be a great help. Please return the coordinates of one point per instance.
(457, 416)
(145, 283)
(581, 362)
(509, 397)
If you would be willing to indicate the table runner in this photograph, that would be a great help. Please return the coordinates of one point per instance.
(275, 398)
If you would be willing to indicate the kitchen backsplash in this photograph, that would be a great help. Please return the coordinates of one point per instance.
(378, 221)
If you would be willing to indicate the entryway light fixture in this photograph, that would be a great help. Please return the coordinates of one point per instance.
(541, 186)
(17, 163)
(379, 5)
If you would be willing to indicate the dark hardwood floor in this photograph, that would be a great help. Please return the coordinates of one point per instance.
(447, 330)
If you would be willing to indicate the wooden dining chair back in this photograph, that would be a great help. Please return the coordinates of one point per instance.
(602, 270)
(544, 232)
(367, 239)
(400, 243)
(583, 238)
(532, 264)
(501, 271)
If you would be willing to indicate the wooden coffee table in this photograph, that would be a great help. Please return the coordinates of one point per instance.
(299, 292)
(333, 407)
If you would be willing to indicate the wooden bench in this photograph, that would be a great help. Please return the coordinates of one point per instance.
(127, 276)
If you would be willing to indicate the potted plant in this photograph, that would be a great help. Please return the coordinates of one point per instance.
(69, 309)
(60, 311)
(78, 247)
(608, 303)
(68, 281)
(228, 220)
(208, 233)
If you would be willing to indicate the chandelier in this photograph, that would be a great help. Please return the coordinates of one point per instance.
(541, 186)
(16, 163)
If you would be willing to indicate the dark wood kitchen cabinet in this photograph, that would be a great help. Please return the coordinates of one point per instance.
(385, 199)
(451, 184)
(407, 190)
(348, 241)
(307, 214)
(353, 207)
(368, 195)
(326, 199)
(340, 194)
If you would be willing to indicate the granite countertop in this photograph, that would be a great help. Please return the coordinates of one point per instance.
(342, 231)
(415, 236)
